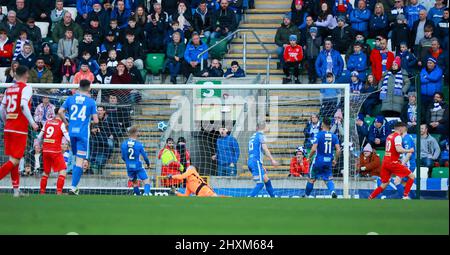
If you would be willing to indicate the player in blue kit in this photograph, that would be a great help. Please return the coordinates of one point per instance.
(409, 160)
(328, 149)
(80, 108)
(132, 150)
(256, 147)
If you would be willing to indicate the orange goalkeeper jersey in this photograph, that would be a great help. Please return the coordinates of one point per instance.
(194, 184)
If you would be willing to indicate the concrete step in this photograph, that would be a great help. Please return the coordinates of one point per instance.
(273, 25)
(252, 39)
(262, 71)
(253, 48)
(269, 4)
(262, 32)
(268, 10)
(252, 63)
(250, 55)
(264, 18)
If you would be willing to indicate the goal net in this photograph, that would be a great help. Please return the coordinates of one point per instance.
(210, 126)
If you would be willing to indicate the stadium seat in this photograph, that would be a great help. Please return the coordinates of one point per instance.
(44, 28)
(440, 172)
(2, 74)
(154, 63)
(220, 50)
(381, 153)
(389, 45)
(436, 136)
(72, 11)
(5, 10)
(371, 43)
(369, 120)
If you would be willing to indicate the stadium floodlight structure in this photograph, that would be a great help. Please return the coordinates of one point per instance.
(195, 103)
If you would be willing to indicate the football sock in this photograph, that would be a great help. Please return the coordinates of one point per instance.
(136, 191)
(147, 189)
(15, 177)
(400, 189)
(269, 188)
(309, 188)
(408, 186)
(44, 180)
(60, 184)
(257, 189)
(5, 169)
(376, 192)
(76, 175)
(330, 185)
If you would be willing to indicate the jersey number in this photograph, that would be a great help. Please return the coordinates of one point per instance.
(12, 103)
(49, 132)
(131, 153)
(328, 147)
(388, 146)
(81, 114)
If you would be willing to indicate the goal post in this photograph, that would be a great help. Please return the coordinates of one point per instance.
(164, 99)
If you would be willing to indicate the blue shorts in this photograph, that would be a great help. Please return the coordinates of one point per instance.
(322, 171)
(80, 147)
(137, 174)
(257, 170)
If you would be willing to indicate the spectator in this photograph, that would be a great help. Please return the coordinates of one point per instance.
(442, 29)
(185, 157)
(214, 70)
(175, 55)
(68, 70)
(357, 62)
(184, 18)
(111, 43)
(282, 36)
(52, 62)
(119, 115)
(408, 59)
(337, 126)
(224, 21)
(121, 14)
(35, 158)
(325, 20)
(430, 81)
(44, 111)
(97, 33)
(12, 26)
(22, 10)
(359, 18)
(20, 42)
(174, 27)
(400, 33)
(6, 49)
(312, 49)
(381, 60)
(418, 30)
(372, 100)
(191, 62)
(27, 56)
(437, 115)
(84, 7)
(369, 163)
(104, 75)
(437, 12)
(156, 30)
(112, 61)
(84, 73)
(59, 32)
(362, 129)
(68, 47)
(311, 130)
(41, 10)
(137, 31)
(443, 159)
(235, 71)
(136, 77)
(299, 14)
(397, 9)
(140, 17)
(169, 6)
(227, 154)
(34, 33)
(86, 166)
(10, 73)
(429, 149)
(174, 167)
(203, 20)
(378, 132)
(437, 53)
(133, 49)
(100, 15)
(102, 141)
(299, 166)
(365, 48)
(330, 98)
(394, 87)
(68, 156)
(378, 24)
(40, 73)
(92, 63)
(57, 14)
(304, 32)
(409, 113)
(356, 84)
(88, 45)
(342, 35)
(329, 61)
(425, 45)
(293, 56)
(412, 12)
(121, 76)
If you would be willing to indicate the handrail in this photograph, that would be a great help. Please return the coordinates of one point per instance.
(269, 56)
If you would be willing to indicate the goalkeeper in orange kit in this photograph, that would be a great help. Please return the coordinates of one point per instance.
(194, 184)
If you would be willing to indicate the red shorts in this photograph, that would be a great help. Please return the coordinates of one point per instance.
(53, 161)
(389, 168)
(15, 144)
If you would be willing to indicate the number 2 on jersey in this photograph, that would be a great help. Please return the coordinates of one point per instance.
(131, 153)
(81, 114)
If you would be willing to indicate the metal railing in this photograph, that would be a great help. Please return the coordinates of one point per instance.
(269, 56)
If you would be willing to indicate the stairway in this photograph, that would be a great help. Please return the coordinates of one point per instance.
(265, 20)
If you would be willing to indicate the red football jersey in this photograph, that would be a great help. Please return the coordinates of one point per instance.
(53, 134)
(392, 140)
(16, 122)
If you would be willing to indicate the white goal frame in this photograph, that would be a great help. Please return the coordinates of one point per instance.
(343, 87)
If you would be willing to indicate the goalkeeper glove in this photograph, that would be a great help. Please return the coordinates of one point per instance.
(181, 168)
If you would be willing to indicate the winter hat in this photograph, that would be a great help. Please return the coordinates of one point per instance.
(287, 16)
(338, 113)
(401, 17)
(354, 73)
(341, 18)
(379, 119)
(292, 38)
(398, 61)
(368, 148)
(432, 60)
(313, 30)
(360, 116)
(300, 148)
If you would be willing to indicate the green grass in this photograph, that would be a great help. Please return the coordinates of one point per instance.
(173, 215)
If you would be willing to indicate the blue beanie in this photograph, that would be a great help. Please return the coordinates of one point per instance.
(292, 38)
(379, 118)
(361, 116)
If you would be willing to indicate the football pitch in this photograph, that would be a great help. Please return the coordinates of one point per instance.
(96, 214)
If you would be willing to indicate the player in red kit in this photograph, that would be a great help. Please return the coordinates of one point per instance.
(52, 135)
(391, 163)
(15, 113)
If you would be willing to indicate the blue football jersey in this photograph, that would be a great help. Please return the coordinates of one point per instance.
(80, 108)
(255, 151)
(408, 143)
(326, 143)
(131, 154)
